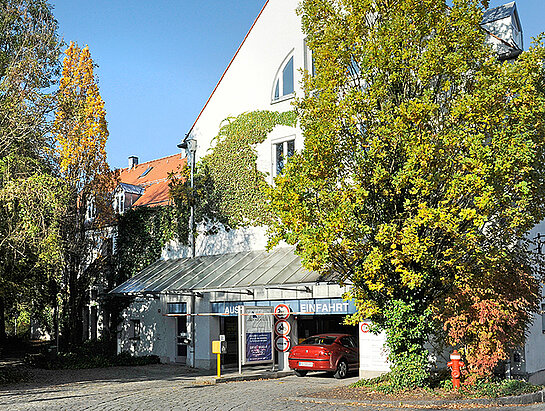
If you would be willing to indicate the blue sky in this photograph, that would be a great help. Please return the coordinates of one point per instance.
(159, 60)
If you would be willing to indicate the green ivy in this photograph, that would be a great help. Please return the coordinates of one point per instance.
(232, 165)
(142, 233)
(228, 192)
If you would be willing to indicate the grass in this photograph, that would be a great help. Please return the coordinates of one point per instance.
(441, 387)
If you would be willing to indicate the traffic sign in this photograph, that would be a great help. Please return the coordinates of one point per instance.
(282, 343)
(364, 327)
(282, 327)
(282, 312)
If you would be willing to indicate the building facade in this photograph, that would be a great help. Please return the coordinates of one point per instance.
(180, 304)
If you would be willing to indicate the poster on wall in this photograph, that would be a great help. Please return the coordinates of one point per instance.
(257, 329)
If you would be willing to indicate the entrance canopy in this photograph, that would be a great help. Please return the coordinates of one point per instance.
(279, 267)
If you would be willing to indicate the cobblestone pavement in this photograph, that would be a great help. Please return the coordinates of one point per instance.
(168, 387)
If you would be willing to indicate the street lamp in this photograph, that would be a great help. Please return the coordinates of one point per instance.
(190, 147)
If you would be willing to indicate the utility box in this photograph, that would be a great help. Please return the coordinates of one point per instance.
(219, 347)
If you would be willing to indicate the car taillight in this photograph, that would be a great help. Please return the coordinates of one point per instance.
(325, 353)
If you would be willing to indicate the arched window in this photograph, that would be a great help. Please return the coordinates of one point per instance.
(284, 84)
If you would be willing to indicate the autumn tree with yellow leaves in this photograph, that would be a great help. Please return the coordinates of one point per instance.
(81, 133)
(421, 176)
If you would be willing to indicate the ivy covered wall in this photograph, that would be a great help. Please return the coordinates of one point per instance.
(229, 192)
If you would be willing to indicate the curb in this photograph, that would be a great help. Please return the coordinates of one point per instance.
(532, 398)
(208, 380)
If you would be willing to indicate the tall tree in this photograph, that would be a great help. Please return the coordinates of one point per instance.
(421, 175)
(81, 132)
(29, 51)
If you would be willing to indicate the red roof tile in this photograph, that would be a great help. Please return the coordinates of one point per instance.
(153, 177)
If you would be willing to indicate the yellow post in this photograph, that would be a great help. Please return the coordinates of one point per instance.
(216, 349)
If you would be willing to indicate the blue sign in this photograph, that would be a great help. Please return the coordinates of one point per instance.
(313, 306)
(258, 347)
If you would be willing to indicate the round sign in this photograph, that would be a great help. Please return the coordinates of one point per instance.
(282, 312)
(282, 343)
(282, 327)
(364, 327)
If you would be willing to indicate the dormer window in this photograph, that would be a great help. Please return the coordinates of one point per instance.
(284, 84)
(119, 202)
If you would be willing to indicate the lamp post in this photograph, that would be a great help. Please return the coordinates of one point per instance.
(190, 147)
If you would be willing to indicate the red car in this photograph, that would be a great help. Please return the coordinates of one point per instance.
(325, 352)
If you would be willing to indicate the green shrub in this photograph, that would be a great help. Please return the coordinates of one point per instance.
(84, 357)
(503, 388)
(11, 376)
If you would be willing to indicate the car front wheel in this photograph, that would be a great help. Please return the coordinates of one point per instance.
(300, 373)
(342, 370)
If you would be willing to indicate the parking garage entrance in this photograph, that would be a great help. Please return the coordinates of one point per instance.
(311, 317)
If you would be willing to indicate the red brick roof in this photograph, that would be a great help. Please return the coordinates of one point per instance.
(153, 177)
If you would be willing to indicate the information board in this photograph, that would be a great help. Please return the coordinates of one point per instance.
(256, 332)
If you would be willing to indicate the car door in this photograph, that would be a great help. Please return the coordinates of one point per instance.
(350, 349)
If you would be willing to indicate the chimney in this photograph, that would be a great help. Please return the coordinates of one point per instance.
(133, 162)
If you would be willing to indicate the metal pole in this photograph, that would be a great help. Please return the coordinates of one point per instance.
(193, 331)
(239, 341)
(192, 216)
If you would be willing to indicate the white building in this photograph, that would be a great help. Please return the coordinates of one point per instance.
(231, 268)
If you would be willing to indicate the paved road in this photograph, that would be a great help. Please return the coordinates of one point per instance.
(168, 387)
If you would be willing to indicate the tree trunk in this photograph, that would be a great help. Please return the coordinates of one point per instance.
(2, 322)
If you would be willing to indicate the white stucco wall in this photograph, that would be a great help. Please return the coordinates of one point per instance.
(505, 30)
(224, 242)
(158, 333)
(533, 358)
(248, 84)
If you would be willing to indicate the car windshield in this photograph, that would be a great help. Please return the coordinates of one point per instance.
(319, 340)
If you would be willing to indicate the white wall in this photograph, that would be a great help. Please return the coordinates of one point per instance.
(534, 349)
(248, 84)
(158, 333)
(224, 242)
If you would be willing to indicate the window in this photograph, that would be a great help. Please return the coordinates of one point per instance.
(319, 340)
(145, 173)
(348, 342)
(282, 151)
(284, 84)
(119, 202)
(309, 60)
(91, 210)
(177, 308)
(135, 330)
